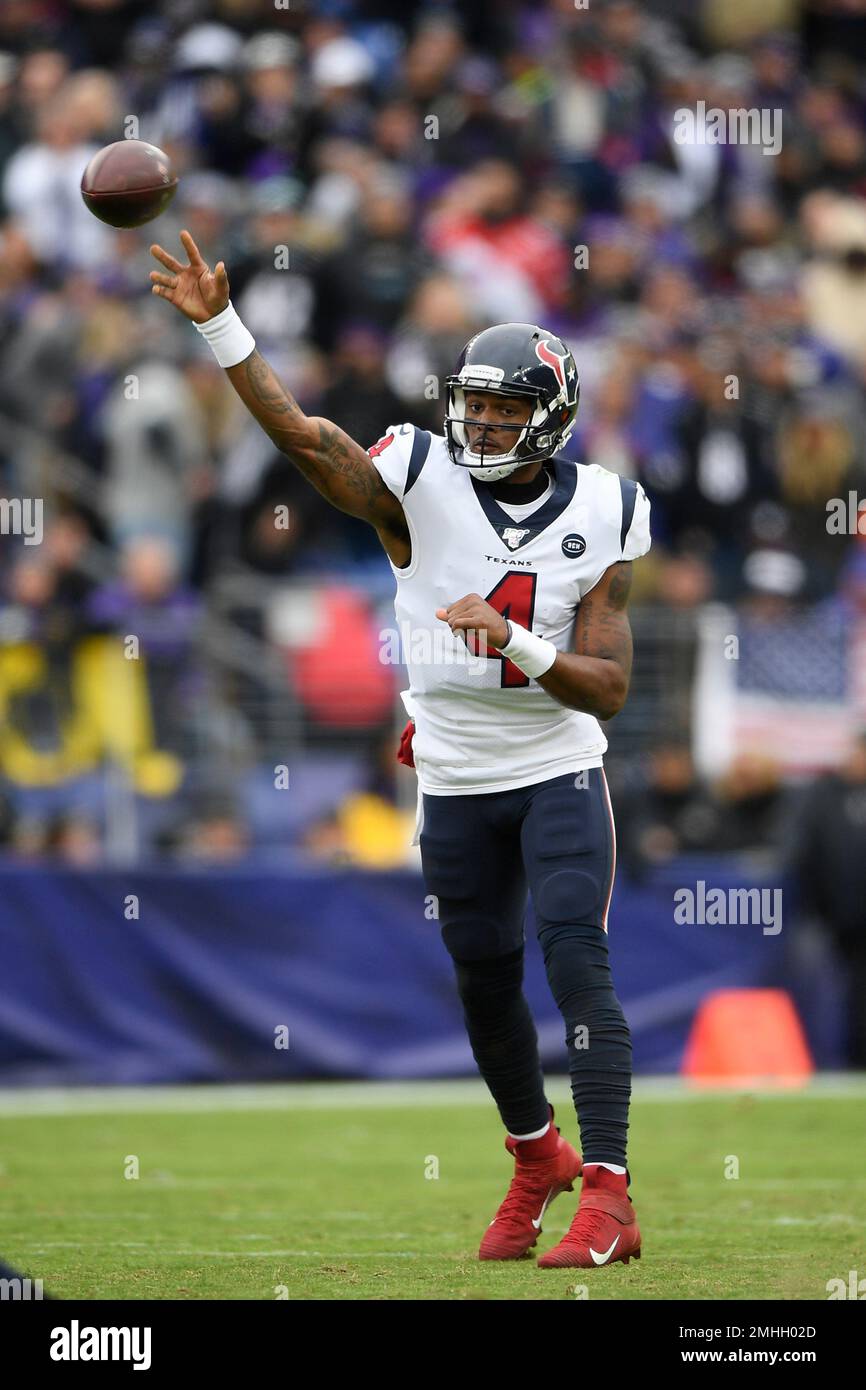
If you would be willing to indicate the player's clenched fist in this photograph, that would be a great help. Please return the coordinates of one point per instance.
(473, 613)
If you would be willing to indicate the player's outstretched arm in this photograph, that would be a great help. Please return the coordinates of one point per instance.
(329, 458)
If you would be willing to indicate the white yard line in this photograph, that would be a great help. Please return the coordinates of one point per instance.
(368, 1095)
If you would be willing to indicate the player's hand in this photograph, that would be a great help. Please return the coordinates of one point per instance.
(197, 291)
(475, 614)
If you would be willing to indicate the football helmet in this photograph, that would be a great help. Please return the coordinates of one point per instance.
(513, 359)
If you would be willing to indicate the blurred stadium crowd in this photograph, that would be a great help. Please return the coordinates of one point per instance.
(383, 179)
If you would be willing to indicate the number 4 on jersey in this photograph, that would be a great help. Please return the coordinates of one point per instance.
(514, 598)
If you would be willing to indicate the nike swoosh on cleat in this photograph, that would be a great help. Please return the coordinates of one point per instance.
(537, 1221)
(600, 1259)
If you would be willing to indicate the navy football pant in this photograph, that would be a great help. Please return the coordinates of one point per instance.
(480, 855)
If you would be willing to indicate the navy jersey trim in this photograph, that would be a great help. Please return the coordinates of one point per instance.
(420, 449)
(565, 482)
(628, 488)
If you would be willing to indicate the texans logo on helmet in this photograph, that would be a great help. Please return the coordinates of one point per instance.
(555, 360)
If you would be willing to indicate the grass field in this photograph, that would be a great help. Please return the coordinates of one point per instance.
(322, 1190)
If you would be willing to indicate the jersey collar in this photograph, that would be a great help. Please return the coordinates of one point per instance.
(516, 534)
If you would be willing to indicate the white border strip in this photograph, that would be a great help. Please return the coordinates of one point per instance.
(372, 1095)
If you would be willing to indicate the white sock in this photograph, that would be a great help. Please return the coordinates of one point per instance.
(538, 1134)
(614, 1167)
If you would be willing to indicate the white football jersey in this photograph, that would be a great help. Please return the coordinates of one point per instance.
(481, 725)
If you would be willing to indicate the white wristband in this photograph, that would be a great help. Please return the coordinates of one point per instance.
(533, 655)
(230, 341)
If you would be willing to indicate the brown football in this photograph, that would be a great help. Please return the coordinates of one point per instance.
(128, 183)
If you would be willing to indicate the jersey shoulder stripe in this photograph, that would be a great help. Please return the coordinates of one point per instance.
(418, 457)
(628, 488)
(622, 511)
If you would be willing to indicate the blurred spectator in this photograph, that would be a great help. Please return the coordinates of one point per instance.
(273, 275)
(43, 615)
(368, 828)
(357, 398)
(673, 813)
(41, 185)
(214, 834)
(155, 439)
(376, 272)
(515, 266)
(150, 604)
(834, 280)
(427, 342)
(74, 840)
(751, 805)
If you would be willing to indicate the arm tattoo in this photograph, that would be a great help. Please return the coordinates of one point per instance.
(620, 584)
(604, 625)
(355, 470)
(266, 389)
(336, 466)
(331, 458)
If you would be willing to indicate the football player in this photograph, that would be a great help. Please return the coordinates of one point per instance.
(522, 560)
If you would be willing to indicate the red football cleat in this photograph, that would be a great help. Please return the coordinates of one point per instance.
(543, 1169)
(604, 1228)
